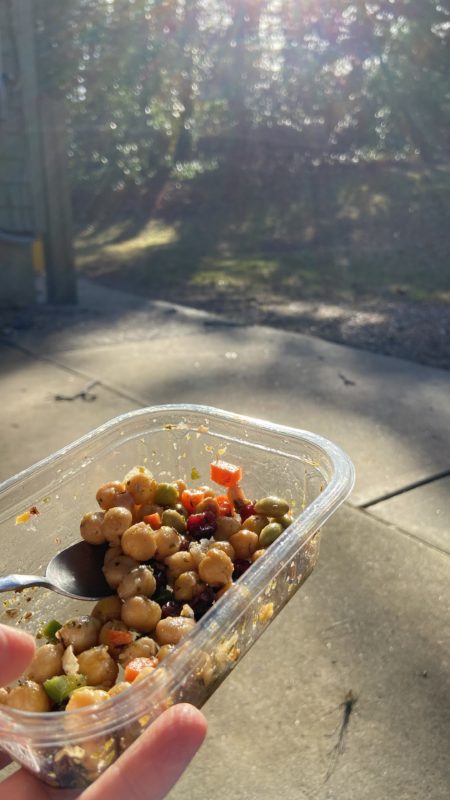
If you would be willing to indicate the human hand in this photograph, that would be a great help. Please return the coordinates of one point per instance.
(146, 771)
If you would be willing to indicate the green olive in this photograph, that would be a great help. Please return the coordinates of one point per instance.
(166, 494)
(268, 534)
(285, 520)
(272, 507)
(174, 519)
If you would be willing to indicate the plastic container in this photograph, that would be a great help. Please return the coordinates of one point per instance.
(73, 749)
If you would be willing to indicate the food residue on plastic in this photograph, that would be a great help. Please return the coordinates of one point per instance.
(265, 613)
(26, 516)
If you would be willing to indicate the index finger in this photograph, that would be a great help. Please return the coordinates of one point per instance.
(16, 651)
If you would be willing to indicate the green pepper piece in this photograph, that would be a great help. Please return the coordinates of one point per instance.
(49, 630)
(60, 687)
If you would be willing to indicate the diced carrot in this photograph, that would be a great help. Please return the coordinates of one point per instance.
(225, 505)
(225, 474)
(154, 520)
(117, 638)
(134, 667)
(191, 498)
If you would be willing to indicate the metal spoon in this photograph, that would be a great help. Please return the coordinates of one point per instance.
(74, 572)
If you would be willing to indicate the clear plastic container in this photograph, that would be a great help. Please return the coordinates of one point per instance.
(73, 749)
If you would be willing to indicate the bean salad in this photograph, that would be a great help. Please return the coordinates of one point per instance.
(171, 552)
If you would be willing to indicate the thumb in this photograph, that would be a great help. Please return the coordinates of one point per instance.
(153, 764)
(16, 651)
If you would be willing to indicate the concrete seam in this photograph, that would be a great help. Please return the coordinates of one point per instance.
(402, 531)
(404, 489)
(79, 373)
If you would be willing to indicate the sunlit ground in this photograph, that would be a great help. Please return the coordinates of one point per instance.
(379, 238)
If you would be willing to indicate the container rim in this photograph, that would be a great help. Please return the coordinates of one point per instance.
(49, 727)
(339, 459)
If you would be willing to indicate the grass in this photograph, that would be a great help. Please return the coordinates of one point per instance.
(339, 235)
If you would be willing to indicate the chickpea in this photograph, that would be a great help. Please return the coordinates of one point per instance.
(46, 663)
(140, 580)
(146, 671)
(141, 614)
(187, 586)
(255, 523)
(165, 651)
(116, 521)
(86, 696)
(227, 548)
(178, 563)
(3, 696)
(28, 696)
(80, 632)
(113, 552)
(136, 470)
(91, 527)
(107, 493)
(145, 647)
(167, 542)
(181, 486)
(139, 542)
(226, 526)
(142, 486)
(208, 504)
(171, 629)
(107, 608)
(245, 543)
(223, 590)
(98, 667)
(124, 500)
(115, 571)
(216, 568)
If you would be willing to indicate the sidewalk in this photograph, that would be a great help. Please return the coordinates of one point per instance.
(374, 616)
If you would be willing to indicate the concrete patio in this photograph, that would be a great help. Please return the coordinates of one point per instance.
(372, 619)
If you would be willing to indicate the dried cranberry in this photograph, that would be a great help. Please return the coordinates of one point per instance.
(159, 571)
(206, 531)
(247, 510)
(240, 566)
(171, 609)
(202, 603)
(201, 526)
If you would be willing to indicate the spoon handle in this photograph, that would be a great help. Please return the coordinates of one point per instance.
(13, 583)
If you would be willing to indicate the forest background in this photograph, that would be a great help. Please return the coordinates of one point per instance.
(260, 156)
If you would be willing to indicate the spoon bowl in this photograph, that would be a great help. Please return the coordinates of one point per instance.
(74, 572)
